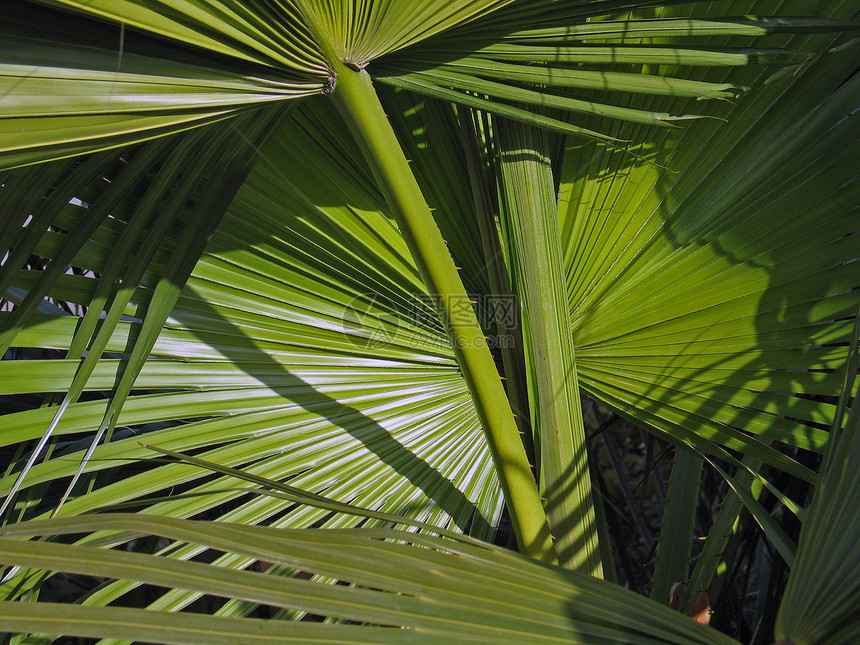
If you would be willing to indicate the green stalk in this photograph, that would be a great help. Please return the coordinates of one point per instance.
(528, 197)
(679, 522)
(712, 564)
(359, 105)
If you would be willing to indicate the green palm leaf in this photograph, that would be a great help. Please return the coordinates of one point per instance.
(709, 298)
(429, 588)
(127, 86)
(62, 97)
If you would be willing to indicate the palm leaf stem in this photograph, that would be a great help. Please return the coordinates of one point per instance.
(712, 563)
(528, 196)
(679, 519)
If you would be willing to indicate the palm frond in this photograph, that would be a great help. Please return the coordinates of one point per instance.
(416, 588)
(709, 297)
(63, 97)
(528, 211)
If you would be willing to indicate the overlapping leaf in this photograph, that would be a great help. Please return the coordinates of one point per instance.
(134, 78)
(303, 349)
(710, 279)
(65, 95)
(416, 589)
(590, 66)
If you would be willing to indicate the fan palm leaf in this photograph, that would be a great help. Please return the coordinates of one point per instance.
(739, 262)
